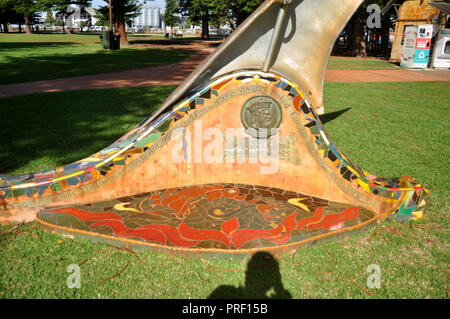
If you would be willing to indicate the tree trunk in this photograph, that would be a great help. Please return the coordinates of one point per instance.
(28, 29)
(205, 26)
(122, 32)
(69, 30)
(358, 34)
(20, 28)
(385, 36)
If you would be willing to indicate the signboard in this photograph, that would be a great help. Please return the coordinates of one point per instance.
(423, 46)
(417, 45)
(409, 46)
(421, 58)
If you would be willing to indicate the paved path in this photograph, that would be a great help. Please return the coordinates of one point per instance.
(174, 74)
(169, 74)
(401, 75)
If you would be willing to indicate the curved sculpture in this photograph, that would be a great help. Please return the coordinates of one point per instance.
(307, 32)
(241, 163)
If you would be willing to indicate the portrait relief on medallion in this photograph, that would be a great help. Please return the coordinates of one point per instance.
(261, 116)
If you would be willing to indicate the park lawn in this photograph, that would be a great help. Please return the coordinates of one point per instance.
(389, 129)
(344, 63)
(37, 57)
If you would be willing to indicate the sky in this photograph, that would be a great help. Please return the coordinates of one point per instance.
(97, 3)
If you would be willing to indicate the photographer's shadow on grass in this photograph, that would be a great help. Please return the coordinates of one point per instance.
(262, 281)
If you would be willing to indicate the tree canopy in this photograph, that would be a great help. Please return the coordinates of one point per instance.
(217, 12)
(171, 18)
(8, 15)
(26, 9)
(64, 7)
(123, 11)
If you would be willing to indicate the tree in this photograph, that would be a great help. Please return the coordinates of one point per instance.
(49, 19)
(217, 12)
(102, 16)
(241, 9)
(220, 14)
(123, 11)
(358, 30)
(28, 9)
(25, 8)
(171, 13)
(8, 15)
(387, 23)
(199, 12)
(65, 8)
(83, 24)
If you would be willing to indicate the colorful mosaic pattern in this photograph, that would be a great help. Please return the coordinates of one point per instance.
(138, 140)
(211, 218)
(413, 195)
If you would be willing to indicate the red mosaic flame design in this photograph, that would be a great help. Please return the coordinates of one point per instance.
(87, 216)
(121, 230)
(179, 200)
(289, 225)
(314, 219)
(172, 235)
(242, 236)
(333, 220)
(230, 226)
(197, 234)
(230, 234)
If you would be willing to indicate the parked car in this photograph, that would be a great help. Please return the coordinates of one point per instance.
(96, 28)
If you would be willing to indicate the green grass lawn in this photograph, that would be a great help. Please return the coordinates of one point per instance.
(389, 129)
(36, 57)
(343, 63)
(94, 119)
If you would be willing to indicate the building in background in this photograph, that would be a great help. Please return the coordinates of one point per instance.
(441, 52)
(411, 13)
(92, 13)
(78, 17)
(152, 13)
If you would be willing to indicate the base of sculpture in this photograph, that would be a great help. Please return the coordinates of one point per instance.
(181, 183)
(226, 218)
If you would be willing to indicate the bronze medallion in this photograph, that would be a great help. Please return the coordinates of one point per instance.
(261, 116)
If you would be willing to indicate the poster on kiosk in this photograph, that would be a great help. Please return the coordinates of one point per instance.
(409, 46)
(417, 46)
(423, 46)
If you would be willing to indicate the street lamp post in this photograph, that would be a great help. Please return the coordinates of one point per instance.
(110, 17)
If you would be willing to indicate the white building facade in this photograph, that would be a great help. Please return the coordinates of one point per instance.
(152, 14)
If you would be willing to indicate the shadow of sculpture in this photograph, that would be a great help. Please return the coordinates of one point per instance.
(262, 281)
(328, 117)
